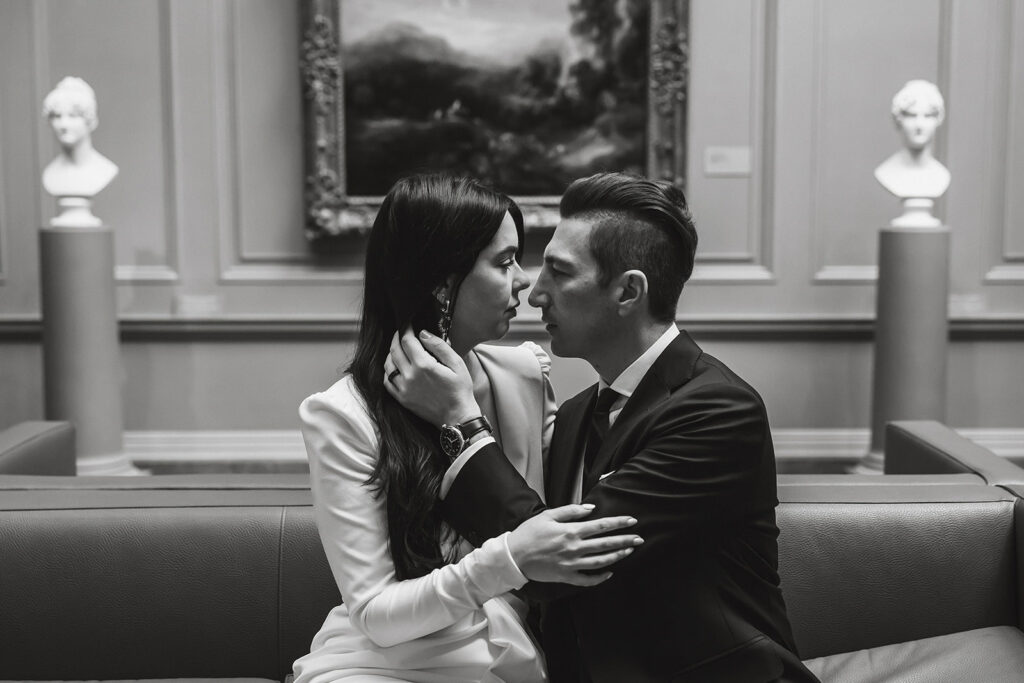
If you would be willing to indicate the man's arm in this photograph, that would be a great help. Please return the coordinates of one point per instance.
(547, 545)
(696, 471)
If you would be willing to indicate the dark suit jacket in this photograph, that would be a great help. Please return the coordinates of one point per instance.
(691, 458)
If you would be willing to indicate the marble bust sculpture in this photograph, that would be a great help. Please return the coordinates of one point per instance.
(913, 174)
(79, 172)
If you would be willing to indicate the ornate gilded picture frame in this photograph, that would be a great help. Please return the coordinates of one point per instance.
(525, 96)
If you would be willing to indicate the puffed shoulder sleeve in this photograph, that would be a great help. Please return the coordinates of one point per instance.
(549, 406)
(342, 445)
(542, 356)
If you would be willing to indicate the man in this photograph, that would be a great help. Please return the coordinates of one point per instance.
(682, 444)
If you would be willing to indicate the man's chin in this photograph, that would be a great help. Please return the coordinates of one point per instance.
(558, 346)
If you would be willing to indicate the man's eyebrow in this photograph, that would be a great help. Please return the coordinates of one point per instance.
(552, 260)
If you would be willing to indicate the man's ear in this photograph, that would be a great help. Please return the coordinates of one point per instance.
(632, 292)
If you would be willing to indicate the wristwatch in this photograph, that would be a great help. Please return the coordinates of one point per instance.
(454, 437)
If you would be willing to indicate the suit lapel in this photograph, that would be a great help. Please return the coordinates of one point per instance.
(566, 456)
(673, 368)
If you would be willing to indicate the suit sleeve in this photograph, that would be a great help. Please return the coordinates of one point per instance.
(695, 470)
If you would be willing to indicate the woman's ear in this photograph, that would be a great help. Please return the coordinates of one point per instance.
(443, 292)
(632, 291)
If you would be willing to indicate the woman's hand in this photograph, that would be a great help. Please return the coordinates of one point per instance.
(551, 547)
(429, 379)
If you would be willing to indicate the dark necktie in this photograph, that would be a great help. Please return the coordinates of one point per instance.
(595, 437)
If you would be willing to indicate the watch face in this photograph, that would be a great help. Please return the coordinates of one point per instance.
(451, 441)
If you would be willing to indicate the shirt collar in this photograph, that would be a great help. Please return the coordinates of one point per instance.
(629, 379)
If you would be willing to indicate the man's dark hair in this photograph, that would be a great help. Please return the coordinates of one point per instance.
(638, 224)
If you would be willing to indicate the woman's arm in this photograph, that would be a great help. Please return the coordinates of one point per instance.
(341, 444)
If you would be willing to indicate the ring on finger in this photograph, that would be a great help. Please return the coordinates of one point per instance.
(393, 374)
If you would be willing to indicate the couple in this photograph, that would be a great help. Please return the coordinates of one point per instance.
(639, 523)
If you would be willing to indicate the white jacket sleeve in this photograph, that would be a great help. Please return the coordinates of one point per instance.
(341, 443)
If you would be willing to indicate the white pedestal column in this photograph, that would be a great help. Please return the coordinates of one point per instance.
(911, 333)
(81, 348)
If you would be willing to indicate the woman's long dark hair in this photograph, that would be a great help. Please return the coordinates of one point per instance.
(429, 228)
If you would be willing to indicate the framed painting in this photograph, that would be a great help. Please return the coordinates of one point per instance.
(525, 96)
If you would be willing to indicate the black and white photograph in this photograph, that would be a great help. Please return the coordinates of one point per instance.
(535, 341)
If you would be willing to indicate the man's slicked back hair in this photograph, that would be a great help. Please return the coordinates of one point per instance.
(639, 224)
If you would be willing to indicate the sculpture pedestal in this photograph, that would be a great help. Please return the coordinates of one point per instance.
(911, 333)
(81, 348)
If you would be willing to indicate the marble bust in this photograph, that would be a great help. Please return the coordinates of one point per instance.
(79, 172)
(913, 174)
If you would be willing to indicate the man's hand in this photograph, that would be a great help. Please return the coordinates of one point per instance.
(429, 379)
(551, 547)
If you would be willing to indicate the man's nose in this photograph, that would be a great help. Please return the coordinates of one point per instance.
(537, 297)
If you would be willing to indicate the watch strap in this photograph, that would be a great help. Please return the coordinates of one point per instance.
(471, 428)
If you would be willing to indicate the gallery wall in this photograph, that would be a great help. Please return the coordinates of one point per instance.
(228, 318)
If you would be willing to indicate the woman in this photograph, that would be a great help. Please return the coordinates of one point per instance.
(418, 603)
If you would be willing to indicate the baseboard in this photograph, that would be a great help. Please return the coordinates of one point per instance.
(260, 446)
(148, 448)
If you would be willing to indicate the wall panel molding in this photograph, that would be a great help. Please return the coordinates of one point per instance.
(1008, 156)
(843, 198)
(44, 82)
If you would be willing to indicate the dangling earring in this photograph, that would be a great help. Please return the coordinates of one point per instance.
(445, 323)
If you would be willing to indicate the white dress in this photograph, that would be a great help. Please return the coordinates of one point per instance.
(458, 623)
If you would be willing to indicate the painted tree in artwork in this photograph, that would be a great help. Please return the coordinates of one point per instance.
(564, 109)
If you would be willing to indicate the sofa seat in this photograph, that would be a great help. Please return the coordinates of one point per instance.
(161, 680)
(994, 655)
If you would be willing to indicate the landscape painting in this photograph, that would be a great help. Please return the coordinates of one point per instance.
(525, 95)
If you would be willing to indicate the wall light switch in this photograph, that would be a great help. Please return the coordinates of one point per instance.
(726, 161)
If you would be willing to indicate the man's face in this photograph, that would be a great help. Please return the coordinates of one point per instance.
(578, 312)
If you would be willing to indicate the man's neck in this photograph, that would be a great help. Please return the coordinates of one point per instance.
(623, 349)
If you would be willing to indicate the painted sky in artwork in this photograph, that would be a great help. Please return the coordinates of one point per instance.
(496, 30)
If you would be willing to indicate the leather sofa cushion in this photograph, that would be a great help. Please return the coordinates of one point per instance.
(863, 566)
(993, 655)
(164, 680)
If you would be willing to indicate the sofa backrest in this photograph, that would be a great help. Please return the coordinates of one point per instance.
(200, 582)
(929, 447)
(124, 584)
(38, 447)
(866, 566)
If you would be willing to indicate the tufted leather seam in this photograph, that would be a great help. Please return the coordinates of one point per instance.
(280, 572)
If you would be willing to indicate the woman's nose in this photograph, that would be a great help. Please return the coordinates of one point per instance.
(522, 280)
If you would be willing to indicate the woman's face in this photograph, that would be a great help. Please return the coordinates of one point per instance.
(69, 125)
(489, 294)
(917, 124)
